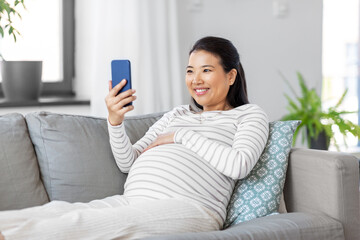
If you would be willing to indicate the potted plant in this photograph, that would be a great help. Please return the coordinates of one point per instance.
(21, 80)
(316, 123)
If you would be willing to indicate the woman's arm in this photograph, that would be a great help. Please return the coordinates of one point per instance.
(124, 153)
(238, 160)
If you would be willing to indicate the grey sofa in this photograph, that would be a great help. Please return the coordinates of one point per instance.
(47, 156)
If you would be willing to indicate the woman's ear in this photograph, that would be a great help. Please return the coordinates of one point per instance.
(232, 76)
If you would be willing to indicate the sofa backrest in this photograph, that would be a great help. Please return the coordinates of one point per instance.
(20, 184)
(74, 154)
(136, 126)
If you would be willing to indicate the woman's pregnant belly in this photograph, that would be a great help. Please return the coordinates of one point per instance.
(173, 171)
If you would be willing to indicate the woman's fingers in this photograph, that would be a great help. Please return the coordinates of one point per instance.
(116, 102)
(114, 91)
(162, 139)
(119, 104)
(110, 85)
(121, 99)
(125, 94)
(127, 109)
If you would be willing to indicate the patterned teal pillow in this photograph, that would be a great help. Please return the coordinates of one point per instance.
(259, 193)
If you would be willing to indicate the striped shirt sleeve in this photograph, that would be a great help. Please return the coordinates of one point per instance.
(124, 152)
(238, 160)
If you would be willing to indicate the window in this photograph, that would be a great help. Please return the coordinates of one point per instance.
(47, 34)
(341, 59)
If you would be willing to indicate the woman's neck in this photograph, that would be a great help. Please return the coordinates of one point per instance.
(217, 108)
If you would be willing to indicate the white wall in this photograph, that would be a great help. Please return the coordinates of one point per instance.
(266, 44)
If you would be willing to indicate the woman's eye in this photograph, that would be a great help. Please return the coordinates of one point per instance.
(189, 71)
(207, 70)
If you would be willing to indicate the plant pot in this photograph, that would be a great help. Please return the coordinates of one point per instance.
(322, 142)
(21, 80)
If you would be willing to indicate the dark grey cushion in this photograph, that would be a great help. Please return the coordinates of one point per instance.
(20, 184)
(75, 157)
(294, 226)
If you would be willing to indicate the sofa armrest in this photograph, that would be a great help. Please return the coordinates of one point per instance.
(325, 182)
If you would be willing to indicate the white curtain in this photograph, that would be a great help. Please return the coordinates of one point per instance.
(143, 31)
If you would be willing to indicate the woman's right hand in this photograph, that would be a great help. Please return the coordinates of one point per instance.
(115, 103)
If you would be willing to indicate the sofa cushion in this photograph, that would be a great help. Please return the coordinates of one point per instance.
(258, 194)
(20, 184)
(75, 157)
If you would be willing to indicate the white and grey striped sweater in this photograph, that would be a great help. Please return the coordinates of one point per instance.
(211, 151)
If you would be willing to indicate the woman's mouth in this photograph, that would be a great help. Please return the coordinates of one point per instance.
(201, 91)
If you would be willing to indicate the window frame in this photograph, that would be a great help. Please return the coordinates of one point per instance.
(65, 86)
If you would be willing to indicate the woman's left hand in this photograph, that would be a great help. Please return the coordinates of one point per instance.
(162, 139)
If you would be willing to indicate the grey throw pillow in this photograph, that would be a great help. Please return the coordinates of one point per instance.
(75, 157)
(20, 184)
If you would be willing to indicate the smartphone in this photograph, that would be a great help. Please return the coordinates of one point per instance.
(121, 69)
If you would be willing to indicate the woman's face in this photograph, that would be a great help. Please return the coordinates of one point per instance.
(207, 81)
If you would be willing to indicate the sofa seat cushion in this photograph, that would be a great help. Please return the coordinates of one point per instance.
(75, 157)
(20, 184)
(294, 226)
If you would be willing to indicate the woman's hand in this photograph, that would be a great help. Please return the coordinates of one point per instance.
(162, 139)
(115, 103)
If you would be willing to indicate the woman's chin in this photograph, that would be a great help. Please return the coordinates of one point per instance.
(200, 99)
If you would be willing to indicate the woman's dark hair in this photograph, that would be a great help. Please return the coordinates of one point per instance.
(229, 59)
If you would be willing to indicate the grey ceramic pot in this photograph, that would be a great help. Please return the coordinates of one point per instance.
(21, 80)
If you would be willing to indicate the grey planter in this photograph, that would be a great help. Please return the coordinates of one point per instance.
(21, 80)
(322, 142)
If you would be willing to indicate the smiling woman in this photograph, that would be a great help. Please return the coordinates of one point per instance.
(215, 71)
(181, 173)
(207, 81)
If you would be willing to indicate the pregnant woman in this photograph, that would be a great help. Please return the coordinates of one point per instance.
(180, 174)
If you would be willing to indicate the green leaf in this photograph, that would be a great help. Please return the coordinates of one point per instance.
(288, 83)
(22, 3)
(7, 14)
(341, 99)
(295, 137)
(292, 103)
(304, 88)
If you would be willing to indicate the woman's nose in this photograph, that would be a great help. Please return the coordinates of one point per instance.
(196, 79)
